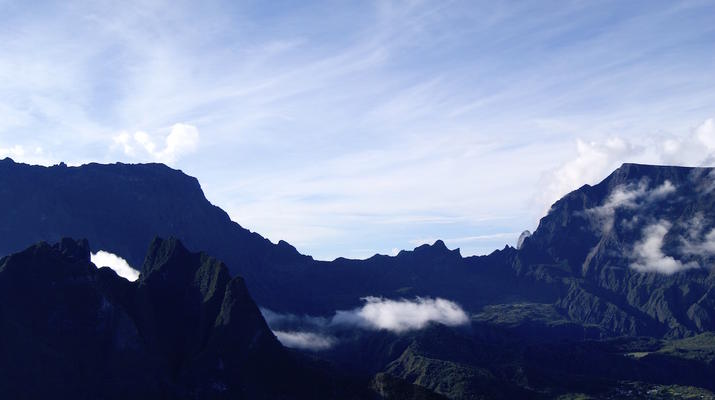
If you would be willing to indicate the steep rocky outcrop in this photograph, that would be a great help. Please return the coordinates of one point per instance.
(631, 255)
(185, 329)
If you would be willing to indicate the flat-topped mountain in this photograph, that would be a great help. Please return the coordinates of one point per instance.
(631, 255)
(121, 207)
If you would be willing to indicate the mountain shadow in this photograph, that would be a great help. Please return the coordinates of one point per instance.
(185, 329)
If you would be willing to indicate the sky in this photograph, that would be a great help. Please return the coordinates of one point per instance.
(355, 128)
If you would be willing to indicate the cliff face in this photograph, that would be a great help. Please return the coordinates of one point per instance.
(631, 255)
(636, 250)
(120, 208)
(184, 329)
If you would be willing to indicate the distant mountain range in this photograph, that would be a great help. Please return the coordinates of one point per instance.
(580, 258)
(612, 293)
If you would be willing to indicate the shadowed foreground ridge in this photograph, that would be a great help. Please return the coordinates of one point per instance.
(185, 329)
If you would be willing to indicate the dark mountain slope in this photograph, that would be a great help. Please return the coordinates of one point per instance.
(580, 260)
(185, 329)
(120, 208)
(60, 333)
(593, 237)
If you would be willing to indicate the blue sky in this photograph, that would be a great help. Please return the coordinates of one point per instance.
(354, 128)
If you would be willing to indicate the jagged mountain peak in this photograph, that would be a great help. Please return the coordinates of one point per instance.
(85, 332)
(68, 257)
(436, 249)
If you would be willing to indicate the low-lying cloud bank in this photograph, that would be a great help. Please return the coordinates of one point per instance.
(113, 261)
(402, 315)
(594, 160)
(377, 313)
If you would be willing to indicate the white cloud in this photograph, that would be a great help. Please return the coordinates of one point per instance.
(697, 242)
(628, 196)
(402, 315)
(709, 184)
(596, 159)
(14, 152)
(705, 247)
(145, 141)
(592, 162)
(377, 313)
(706, 134)
(118, 264)
(305, 340)
(649, 254)
(182, 139)
(20, 153)
(278, 103)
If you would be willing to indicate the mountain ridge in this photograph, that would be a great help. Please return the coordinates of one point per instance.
(580, 258)
(184, 329)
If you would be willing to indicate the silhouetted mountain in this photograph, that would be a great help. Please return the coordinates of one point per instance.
(185, 329)
(580, 258)
(120, 208)
(591, 239)
(631, 256)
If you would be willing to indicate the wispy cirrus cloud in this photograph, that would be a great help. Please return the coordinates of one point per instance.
(367, 124)
(699, 237)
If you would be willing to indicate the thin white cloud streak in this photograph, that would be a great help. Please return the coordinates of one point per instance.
(703, 248)
(119, 265)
